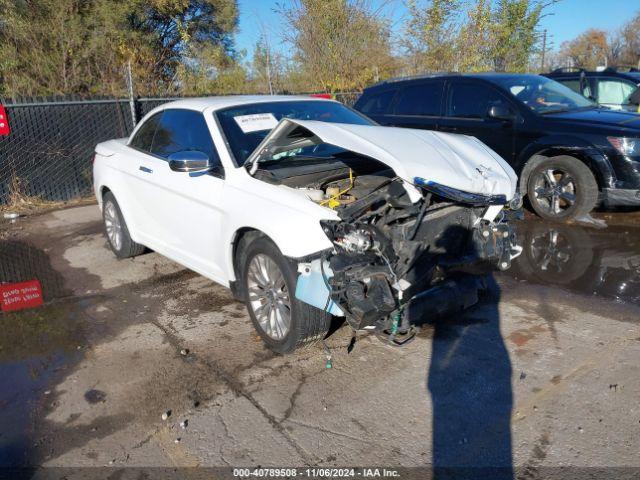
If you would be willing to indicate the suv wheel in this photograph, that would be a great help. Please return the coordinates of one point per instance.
(562, 188)
(268, 282)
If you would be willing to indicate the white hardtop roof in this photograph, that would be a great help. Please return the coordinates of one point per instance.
(217, 103)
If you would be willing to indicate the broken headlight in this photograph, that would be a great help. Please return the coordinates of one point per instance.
(460, 196)
(348, 237)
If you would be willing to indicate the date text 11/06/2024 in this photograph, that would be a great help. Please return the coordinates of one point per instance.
(315, 472)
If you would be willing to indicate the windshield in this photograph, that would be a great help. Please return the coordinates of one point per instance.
(543, 95)
(245, 126)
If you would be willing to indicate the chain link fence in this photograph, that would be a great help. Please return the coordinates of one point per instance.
(49, 151)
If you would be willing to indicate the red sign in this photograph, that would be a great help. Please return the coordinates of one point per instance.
(321, 95)
(17, 296)
(4, 122)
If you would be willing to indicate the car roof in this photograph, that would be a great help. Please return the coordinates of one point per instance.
(444, 75)
(633, 75)
(220, 102)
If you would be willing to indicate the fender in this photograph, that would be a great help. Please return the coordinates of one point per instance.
(316, 241)
(554, 145)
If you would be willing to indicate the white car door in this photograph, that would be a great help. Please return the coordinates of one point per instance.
(180, 212)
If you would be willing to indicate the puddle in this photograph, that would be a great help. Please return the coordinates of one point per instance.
(604, 263)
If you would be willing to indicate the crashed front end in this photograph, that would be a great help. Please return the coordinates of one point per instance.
(398, 263)
(418, 217)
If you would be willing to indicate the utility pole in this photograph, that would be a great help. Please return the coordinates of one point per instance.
(132, 102)
(544, 49)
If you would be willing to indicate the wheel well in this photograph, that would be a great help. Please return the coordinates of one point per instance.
(538, 157)
(103, 191)
(241, 238)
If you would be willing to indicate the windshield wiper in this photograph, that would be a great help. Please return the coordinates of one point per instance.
(565, 110)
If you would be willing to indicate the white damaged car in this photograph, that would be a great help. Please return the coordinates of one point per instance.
(307, 210)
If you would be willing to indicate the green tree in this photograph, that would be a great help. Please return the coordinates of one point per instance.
(515, 33)
(339, 44)
(474, 43)
(430, 35)
(81, 46)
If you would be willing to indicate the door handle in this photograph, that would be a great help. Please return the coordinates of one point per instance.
(145, 169)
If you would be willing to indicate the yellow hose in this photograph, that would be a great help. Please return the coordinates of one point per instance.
(333, 201)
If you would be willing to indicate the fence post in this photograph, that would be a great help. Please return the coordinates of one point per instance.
(132, 102)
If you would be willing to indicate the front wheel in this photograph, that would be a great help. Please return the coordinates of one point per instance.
(268, 279)
(562, 188)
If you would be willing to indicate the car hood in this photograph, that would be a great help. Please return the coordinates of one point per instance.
(599, 117)
(417, 156)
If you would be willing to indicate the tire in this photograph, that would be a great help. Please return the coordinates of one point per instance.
(307, 324)
(562, 189)
(117, 231)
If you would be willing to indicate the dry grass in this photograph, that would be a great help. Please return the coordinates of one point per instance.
(20, 202)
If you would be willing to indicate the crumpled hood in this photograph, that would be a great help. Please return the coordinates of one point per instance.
(457, 161)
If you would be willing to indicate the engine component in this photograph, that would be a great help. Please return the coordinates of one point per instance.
(356, 241)
(334, 199)
(370, 300)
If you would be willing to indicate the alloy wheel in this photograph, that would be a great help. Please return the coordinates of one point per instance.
(269, 297)
(555, 191)
(113, 225)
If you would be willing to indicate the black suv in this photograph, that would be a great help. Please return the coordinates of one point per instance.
(612, 87)
(569, 153)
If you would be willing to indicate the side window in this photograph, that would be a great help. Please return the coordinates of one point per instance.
(144, 136)
(573, 84)
(180, 130)
(421, 99)
(614, 92)
(378, 103)
(471, 100)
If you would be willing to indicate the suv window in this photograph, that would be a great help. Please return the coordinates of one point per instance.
(614, 92)
(574, 84)
(180, 130)
(378, 103)
(471, 100)
(421, 99)
(144, 136)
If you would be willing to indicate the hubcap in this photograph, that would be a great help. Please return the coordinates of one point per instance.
(555, 191)
(268, 296)
(113, 225)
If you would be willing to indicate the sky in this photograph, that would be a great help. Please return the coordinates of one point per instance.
(569, 18)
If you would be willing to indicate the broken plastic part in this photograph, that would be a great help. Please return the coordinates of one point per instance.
(312, 286)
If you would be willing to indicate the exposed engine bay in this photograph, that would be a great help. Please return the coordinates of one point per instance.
(404, 248)
(388, 251)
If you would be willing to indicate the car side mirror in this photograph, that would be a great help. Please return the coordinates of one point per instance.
(501, 112)
(190, 161)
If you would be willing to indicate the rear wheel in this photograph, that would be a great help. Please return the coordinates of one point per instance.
(562, 188)
(268, 281)
(116, 229)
